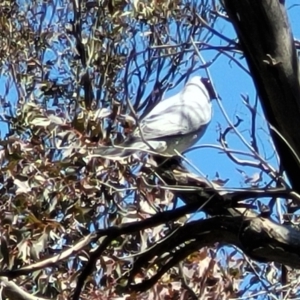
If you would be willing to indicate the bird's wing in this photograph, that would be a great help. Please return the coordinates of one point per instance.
(174, 124)
(181, 114)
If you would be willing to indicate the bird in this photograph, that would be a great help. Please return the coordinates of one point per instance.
(173, 125)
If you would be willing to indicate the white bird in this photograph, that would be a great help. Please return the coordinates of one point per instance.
(174, 124)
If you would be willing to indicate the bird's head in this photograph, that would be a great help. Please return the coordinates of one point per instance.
(203, 82)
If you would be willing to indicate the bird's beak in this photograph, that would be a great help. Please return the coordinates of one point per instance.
(210, 88)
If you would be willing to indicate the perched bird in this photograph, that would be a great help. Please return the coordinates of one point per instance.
(175, 123)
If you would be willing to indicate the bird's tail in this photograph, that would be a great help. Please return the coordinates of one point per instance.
(126, 149)
(112, 152)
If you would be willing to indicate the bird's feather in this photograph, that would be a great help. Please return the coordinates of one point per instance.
(181, 114)
(175, 123)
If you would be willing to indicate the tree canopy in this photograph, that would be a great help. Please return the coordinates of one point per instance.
(77, 76)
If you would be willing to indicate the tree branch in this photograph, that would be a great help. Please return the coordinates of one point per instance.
(266, 39)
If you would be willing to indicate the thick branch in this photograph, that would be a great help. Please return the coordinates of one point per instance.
(259, 238)
(265, 36)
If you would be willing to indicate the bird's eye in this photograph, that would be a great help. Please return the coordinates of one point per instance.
(205, 81)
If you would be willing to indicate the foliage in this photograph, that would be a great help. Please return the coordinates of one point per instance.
(77, 74)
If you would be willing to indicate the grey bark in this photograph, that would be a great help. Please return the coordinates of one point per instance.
(265, 37)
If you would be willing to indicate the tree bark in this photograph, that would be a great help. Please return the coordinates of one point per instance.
(265, 37)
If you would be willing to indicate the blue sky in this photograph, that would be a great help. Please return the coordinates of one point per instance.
(230, 83)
